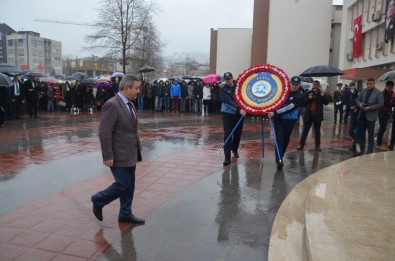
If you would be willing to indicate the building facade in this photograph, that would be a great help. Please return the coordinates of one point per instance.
(293, 35)
(4, 30)
(30, 52)
(377, 50)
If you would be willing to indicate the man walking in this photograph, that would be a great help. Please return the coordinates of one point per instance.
(230, 116)
(121, 149)
(314, 102)
(285, 118)
(370, 101)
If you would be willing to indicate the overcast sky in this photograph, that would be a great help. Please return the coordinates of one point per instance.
(184, 26)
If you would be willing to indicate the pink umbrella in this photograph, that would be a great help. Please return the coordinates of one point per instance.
(211, 78)
(49, 79)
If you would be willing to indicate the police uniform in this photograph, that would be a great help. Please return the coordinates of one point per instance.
(284, 120)
(230, 117)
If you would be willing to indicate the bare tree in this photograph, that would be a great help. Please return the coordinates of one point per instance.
(121, 23)
(148, 49)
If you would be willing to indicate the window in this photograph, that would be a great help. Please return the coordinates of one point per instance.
(20, 42)
(10, 42)
(21, 60)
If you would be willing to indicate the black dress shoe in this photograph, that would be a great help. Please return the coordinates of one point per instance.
(280, 165)
(300, 147)
(97, 211)
(226, 162)
(133, 220)
(317, 148)
(236, 154)
(36, 117)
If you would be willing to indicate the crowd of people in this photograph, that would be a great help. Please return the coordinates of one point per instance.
(179, 96)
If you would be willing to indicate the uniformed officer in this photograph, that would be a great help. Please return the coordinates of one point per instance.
(231, 114)
(285, 118)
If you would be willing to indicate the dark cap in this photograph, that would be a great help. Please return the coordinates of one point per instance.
(352, 84)
(296, 80)
(339, 84)
(228, 75)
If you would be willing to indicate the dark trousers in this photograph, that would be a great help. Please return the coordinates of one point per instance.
(306, 129)
(392, 142)
(122, 188)
(383, 122)
(338, 109)
(229, 122)
(347, 113)
(283, 129)
(363, 126)
(33, 107)
(16, 107)
(352, 130)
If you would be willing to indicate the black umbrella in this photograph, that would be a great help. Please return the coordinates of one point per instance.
(387, 76)
(322, 71)
(34, 74)
(9, 69)
(5, 81)
(146, 69)
(306, 79)
(79, 74)
(70, 78)
(88, 81)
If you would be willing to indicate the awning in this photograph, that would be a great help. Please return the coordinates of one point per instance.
(362, 73)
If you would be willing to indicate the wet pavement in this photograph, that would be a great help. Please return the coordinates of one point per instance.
(195, 209)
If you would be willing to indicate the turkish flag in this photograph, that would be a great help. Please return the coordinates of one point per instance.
(357, 41)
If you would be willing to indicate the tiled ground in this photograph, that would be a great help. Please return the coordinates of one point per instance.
(60, 226)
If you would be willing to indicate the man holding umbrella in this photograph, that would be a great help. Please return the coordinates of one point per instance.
(285, 118)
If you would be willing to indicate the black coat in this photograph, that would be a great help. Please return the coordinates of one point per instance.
(320, 101)
(31, 93)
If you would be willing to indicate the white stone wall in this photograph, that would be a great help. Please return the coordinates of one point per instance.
(233, 50)
(299, 34)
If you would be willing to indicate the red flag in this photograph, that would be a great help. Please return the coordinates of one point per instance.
(357, 41)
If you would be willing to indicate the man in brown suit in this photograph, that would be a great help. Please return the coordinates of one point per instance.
(121, 149)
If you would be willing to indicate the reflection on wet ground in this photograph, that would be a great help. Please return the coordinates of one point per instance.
(195, 209)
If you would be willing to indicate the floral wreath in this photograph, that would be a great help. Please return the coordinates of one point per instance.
(274, 86)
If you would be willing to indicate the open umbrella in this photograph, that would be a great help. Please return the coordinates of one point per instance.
(306, 79)
(387, 76)
(49, 79)
(34, 74)
(5, 81)
(9, 69)
(79, 74)
(88, 81)
(211, 78)
(103, 79)
(146, 69)
(322, 71)
(117, 74)
(106, 85)
(70, 78)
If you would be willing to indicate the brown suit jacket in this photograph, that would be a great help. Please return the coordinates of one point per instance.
(118, 136)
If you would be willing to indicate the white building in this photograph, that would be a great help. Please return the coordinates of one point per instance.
(377, 56)
(293, 35)
(29, 51)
